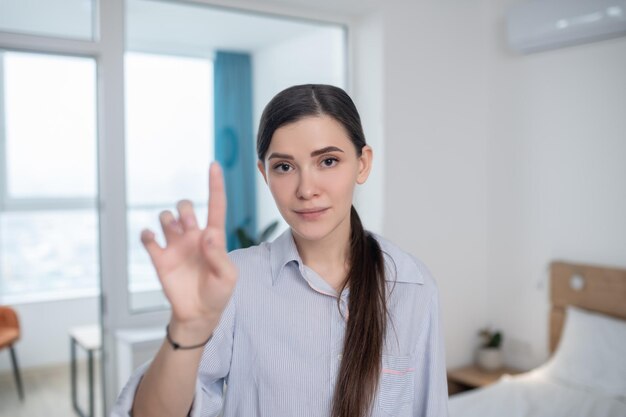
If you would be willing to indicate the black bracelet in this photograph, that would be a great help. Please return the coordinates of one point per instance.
(176, 346)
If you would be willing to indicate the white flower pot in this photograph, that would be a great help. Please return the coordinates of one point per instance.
(489, 359)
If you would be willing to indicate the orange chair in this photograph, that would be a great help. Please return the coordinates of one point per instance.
(9, 334)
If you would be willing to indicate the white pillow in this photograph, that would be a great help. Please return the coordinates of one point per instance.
(591, 353)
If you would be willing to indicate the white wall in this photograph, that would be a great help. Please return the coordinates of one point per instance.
(557, 174)
(499, 163)
(317, 57)
(435, 144)
(45, 326)
(368, 94)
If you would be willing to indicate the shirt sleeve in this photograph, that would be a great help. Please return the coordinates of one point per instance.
(212, 372)
(432, 388)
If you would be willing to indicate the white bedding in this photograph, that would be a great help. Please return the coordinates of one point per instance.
(535, 394)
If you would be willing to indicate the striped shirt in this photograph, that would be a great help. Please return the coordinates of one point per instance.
(279, 342)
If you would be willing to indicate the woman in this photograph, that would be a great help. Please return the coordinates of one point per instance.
(327, 320)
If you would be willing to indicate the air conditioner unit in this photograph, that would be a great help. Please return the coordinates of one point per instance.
(548, 24)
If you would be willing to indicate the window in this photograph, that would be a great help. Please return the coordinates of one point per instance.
(48, 171)
(169, 144)
(50, 226)
(48, 220)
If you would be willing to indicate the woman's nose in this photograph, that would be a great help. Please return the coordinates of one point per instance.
(307, 187)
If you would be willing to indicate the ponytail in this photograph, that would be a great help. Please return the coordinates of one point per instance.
(359, 372)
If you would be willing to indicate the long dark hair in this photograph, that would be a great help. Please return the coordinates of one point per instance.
(360, 369)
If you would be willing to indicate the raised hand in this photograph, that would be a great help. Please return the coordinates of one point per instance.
(195, 271)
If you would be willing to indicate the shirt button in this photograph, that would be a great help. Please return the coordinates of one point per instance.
(339, 356)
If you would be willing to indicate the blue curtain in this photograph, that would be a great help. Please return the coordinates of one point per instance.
(234, 144)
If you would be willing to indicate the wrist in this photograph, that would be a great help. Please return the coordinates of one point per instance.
(176, 346)
(190, 333)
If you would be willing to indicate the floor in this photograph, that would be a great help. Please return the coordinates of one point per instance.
(47, 392)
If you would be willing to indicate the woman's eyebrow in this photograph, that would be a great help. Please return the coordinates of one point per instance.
(325, 150)
(314, 153)
(280, 156)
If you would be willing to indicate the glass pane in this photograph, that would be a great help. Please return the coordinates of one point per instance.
(62, 18)
(50, 105)
(169, 131)
(144, 288)
(169, 128)
(48, 252)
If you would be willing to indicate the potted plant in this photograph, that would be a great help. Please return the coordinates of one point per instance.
(246, 241)
(489, 356)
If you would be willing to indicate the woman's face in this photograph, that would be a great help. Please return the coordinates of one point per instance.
(311, 168)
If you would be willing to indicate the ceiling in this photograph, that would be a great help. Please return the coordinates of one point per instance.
(347, 7)
(198, 30)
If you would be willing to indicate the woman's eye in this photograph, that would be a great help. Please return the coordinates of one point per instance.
(282, 167)
(329, 162)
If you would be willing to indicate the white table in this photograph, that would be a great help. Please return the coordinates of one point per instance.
(88, 338)
(134, 347)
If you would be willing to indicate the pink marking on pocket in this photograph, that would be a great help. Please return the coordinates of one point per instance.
(394, 372)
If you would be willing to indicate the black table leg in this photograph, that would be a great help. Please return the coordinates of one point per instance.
(91, 387)
(16, 373)
(74, 372)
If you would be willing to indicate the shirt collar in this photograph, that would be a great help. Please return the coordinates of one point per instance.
(406, 271)
(397, 269)
(410, 279)
(282, 251)
(400, 266)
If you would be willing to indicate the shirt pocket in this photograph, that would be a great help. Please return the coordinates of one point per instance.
(396, 384)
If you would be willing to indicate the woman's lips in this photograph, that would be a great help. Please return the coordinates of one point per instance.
(311, 214)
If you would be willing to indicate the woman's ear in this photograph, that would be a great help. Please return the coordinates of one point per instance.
(261, 168)
(365, 164)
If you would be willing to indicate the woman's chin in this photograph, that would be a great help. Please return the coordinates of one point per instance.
(308, 232)
(314, 231)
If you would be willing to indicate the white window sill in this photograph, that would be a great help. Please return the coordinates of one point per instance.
(48, 296)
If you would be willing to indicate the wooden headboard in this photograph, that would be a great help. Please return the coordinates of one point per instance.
(603, 291)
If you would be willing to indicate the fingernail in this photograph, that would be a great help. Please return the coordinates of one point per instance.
(146, 235)
(188, 221)
(209, 237)
(174, 224)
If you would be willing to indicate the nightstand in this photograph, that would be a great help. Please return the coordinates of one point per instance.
(470, 377)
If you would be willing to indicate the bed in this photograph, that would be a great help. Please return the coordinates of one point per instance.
(586, 373)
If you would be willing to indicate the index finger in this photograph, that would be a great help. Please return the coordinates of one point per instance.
(217, 198)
